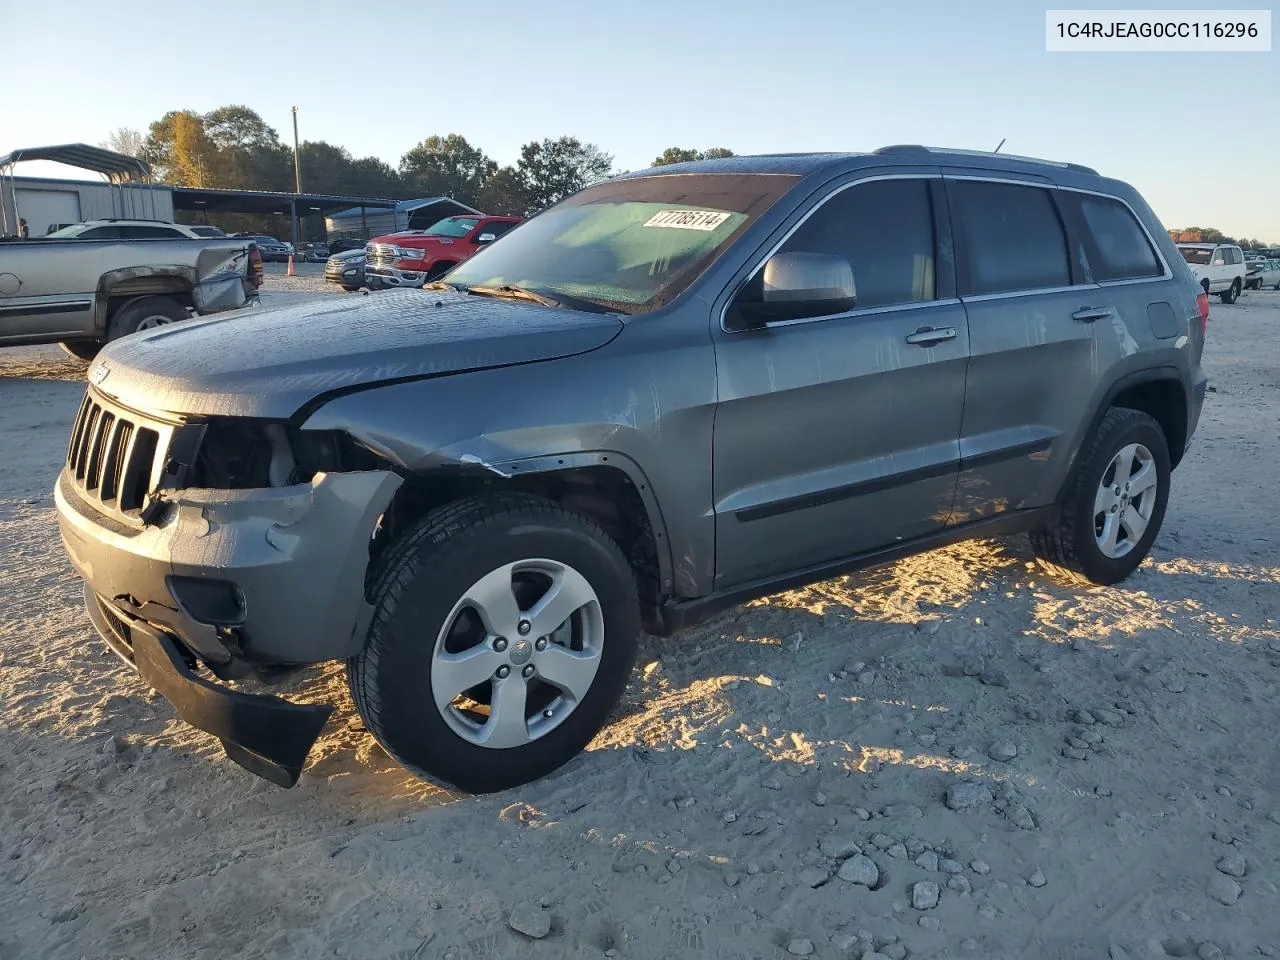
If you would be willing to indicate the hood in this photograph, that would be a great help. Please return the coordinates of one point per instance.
(423, 241)
(269, 363)
(396, 237)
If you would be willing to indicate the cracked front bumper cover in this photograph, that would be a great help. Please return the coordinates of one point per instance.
(266, 735)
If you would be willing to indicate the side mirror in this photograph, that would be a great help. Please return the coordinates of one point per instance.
(485, 238)
(799, 285)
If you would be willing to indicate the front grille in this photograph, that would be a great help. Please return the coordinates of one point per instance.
(381, 255)
(113, 454)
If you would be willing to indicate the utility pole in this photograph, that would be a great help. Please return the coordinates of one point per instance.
(297, 170)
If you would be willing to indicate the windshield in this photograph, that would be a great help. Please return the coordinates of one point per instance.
(626, 245)
(1195, 254)
(453, 226)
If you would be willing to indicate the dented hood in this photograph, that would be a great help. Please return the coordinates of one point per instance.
(269, 363)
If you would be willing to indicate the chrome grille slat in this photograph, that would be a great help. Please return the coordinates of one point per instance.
(112, 456)
(86, 441)
(101, 434)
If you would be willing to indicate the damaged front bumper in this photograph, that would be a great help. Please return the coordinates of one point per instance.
(233, 578)
(266, 735)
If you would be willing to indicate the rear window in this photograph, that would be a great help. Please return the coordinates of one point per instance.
(1014, 238)
(1119, 249)
(1198, 255)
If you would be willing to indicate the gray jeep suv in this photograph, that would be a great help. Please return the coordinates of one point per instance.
(671, 392)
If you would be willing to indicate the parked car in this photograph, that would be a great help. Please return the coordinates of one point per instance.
(124, 230)
(83, 293)
(314, 253)
(415, 257)
(1218, 268)
(273, 250)
(344, 244)
(667, 394)
(1252, 272)
(1268, 275)
(346, 268)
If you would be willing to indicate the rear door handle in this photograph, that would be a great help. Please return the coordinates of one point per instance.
(928, 336)
(1090, 314)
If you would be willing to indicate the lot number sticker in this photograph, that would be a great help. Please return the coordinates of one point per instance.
(687, 219)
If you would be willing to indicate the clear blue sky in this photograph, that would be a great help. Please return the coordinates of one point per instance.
(635, 77)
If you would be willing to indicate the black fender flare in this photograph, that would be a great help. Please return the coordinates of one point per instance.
(556, 462)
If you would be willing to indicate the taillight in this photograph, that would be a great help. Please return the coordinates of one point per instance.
(255, 266)
(1202, 301)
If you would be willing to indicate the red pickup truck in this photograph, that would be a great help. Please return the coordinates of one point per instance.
(415, 257)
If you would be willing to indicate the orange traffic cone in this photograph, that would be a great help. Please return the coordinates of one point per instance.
(290, 272)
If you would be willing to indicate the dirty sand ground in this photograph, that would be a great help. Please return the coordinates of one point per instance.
(747, 760)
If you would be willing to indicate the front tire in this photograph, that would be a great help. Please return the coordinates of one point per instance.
(438, 271)
(464, 676)
(1114, 502)
(1231, 294)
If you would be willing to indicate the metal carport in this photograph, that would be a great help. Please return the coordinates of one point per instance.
(116, 168)
(196, 199)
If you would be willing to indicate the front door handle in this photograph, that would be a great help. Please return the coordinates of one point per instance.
(1090, 314)
(928, 336)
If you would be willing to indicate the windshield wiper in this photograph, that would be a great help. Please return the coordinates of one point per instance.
(442, 285)
(511, 292)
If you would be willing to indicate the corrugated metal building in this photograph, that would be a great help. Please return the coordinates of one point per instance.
(366, 222)
(43, 203)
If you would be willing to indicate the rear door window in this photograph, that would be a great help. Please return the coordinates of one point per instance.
(1014, 238)
(1118, 247)
(100, 233)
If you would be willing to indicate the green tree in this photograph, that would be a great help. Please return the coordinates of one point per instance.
(550, 170)
(447, 166)
(675, 155)
(504, 194)
(250, 155)
(685, 155)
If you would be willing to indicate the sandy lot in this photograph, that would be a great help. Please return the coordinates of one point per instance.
(1116, 749)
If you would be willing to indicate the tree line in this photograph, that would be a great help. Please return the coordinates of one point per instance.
(232, 147)
(1213, 235)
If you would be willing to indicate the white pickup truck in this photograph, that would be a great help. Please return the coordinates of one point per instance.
(1218, 267)
(82, 293)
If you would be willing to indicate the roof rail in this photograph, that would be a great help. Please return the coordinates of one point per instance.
(918, 150)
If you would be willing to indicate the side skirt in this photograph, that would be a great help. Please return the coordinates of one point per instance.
(679, 615)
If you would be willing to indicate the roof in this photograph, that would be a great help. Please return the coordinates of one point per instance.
(116, 167)
(801, 164)
(1207, 244)
(452, 208)
(267, 201)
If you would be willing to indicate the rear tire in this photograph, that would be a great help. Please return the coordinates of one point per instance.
(1126, 451)
(84, 350)
(442, 601)
(145, 314)
(1231, 294)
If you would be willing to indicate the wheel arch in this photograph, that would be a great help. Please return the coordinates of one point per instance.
(1158, 392)
(118, 289)
(607, 486)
